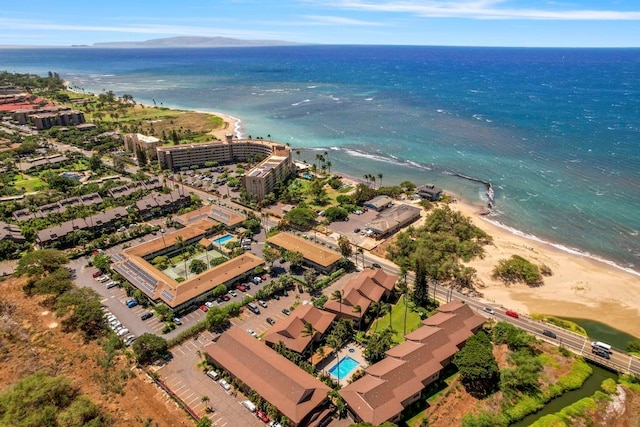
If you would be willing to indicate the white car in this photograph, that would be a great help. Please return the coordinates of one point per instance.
(224, 384)
(252, 333)
(209, 304)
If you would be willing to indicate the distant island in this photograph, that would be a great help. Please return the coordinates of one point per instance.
(187, 41)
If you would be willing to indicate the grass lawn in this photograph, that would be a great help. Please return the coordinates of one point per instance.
(30, 184)
(397, 321)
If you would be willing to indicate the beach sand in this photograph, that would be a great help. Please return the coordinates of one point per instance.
(580, 287)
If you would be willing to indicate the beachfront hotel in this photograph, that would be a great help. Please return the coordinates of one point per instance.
(276, 165)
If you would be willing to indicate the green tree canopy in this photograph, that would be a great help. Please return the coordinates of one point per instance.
(149, 347)
(40, 262)
(197, 266)
(81, 309)
(345, 246)
(377, 345)
(301, 217)
(518, 269)
(42, 400)
(478, 367)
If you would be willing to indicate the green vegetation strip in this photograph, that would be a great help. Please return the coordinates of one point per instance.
(397, 315)
(562, 323)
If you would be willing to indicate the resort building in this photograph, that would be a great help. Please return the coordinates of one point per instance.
(429, 192)
(393, 219)
(48, 117)
(276, 166)
(397, 381)
(369, 286)
(137, 141)
(262, 179)
(108, 219)
(57, 207)
(316, 256)
(43, 162)
(128, 189)
(379, 203)
(11, 232)
(134, 264)
(229, 218)
(156, 204)
(297, 394)
(292, 331)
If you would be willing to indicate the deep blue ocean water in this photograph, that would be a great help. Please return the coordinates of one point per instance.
(557, 131)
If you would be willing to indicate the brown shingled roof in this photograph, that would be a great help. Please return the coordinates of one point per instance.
(289, 330)
(310, 251)
(412, 365)
(280, 382)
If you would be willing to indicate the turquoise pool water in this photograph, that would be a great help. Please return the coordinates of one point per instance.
(223, 239)
(343, 368)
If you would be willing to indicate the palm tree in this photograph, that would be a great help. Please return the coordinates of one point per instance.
(375, 306)
(380, 178)
(183, 245)
(329, 168)
(337, 295)
(309, 331)
(358, 310)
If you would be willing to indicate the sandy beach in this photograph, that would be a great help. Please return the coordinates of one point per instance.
(580, 287)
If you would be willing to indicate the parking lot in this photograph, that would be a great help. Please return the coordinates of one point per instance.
(356, 222)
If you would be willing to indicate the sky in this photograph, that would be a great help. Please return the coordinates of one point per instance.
(517, 23)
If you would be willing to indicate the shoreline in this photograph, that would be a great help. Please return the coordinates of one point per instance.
(582, 286)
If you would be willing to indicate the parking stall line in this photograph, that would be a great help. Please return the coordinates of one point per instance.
(187, 396)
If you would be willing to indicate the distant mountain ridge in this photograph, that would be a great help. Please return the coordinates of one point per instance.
(193, 41)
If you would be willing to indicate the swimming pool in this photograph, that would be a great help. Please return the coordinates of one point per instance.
(344, 368)
(223, 239)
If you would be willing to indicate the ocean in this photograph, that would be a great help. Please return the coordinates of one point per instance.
(556, 131)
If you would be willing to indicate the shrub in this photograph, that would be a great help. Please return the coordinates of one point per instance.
(609, 386)
(517, 269)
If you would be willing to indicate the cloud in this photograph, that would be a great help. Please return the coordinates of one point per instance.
(338, 20)
(482, 9)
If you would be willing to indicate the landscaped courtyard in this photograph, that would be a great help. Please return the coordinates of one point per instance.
(178, 268)
(396, 320)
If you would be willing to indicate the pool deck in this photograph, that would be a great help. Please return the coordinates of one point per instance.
(357, 355)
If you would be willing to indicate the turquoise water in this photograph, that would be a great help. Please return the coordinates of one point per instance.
(222, 240)
(344, 368)
(556, 131)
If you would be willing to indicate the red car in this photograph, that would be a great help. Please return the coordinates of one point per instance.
(204, 308)
(97, 274)
(511, 313)
(242, 288)
(262, 416)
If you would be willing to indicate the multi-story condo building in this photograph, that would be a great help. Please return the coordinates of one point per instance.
(260, 180)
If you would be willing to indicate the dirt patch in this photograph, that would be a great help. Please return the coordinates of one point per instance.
(29, 343)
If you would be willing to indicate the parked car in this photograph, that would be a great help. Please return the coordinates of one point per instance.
(300, 288)
(489, 310)
(549, 333)
(285, 293)
(224, 384)
(262, 304)
(233, 293)
(177, 321)
(270, 321)
(204, 308)
(97, 274)
(511, 313)
(286, 311)
(356, 230)
(132, 303)
(225, 297)
(241, 288)
(252, 333)
(276, 297)
(262, 416)
(376, 265)
(122, 332)
(213, 375)
(274, 424)
(209, 304)
(147, 315)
